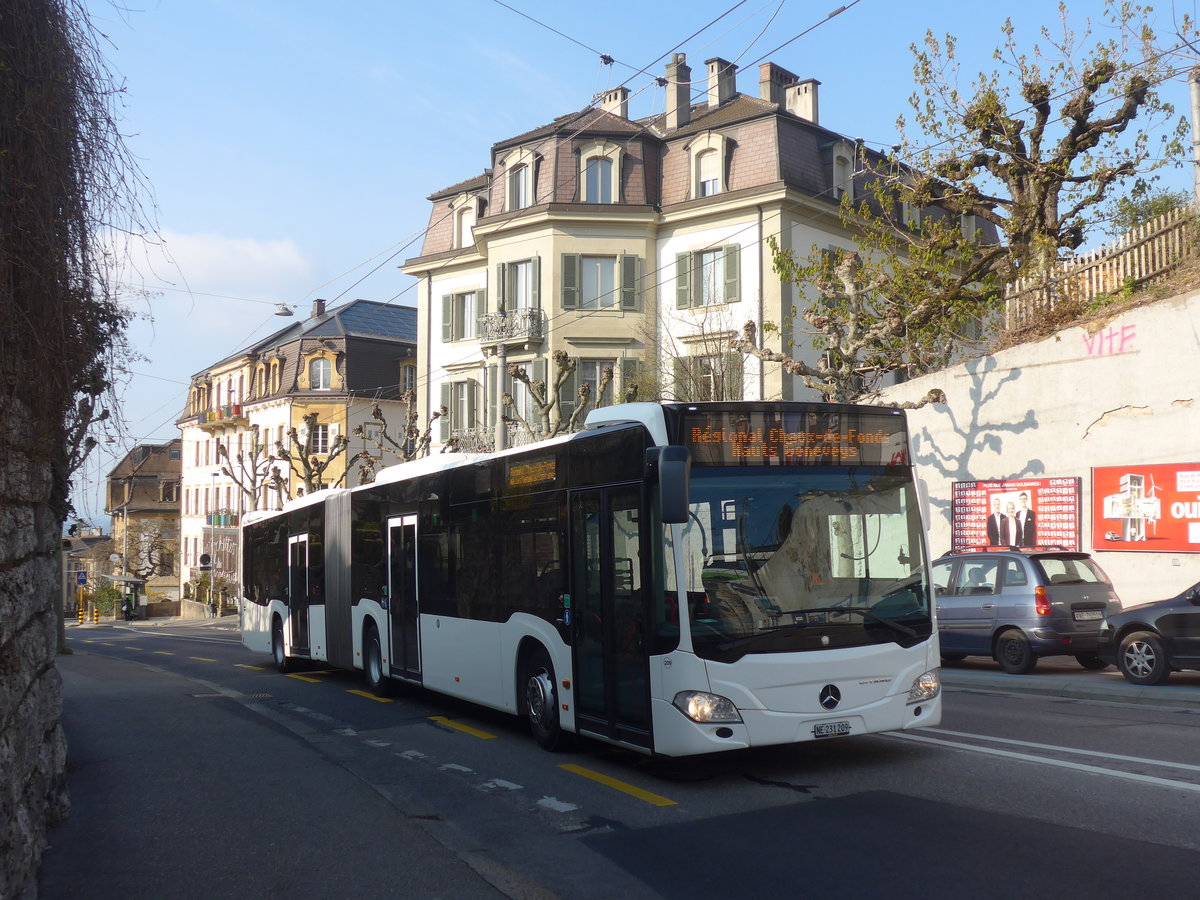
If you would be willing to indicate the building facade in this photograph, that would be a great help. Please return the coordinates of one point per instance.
(639, 245)
(142, 498)
(318, 378)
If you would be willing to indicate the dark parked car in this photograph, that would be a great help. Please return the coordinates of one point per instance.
(1150, 641)
(1019, 605)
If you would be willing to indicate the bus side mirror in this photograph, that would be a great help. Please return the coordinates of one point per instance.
(671, 467)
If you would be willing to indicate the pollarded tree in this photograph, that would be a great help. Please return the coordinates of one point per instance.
(413, 442)
(309, 463)
(150, 548)
(249, 469)
(546, 399)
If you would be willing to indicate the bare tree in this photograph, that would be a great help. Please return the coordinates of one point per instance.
(546, 399)
(305, 462)
(413, 442)
(151, 547)
(251, 469)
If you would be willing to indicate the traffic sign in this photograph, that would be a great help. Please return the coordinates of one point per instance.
(81, 577)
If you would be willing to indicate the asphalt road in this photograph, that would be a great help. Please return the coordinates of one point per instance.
(204, 771)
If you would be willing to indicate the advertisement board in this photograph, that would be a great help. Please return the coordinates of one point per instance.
(1026, 512)
(1155, 508)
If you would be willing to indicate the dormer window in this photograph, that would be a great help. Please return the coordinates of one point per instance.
(598, 180)
(464, 225)
(708, 166)
(519, 182)
(320, 374)
(843, 171)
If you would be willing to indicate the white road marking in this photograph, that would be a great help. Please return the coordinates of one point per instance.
(501, 784)
(1187, 767)
(1060, 763)
(553, 803)
(455, 767)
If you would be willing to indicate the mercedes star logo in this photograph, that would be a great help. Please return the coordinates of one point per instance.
(830, 696)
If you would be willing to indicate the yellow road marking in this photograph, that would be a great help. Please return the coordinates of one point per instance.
(244, 666)
(303, 678)
(202, 659)
(129, 647)
(621, 786)
(466, 729)
(370, 696)
(164, 652)
(105, 644)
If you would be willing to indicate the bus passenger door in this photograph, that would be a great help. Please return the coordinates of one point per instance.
(611, 671)
(298, 592)
(402, 595)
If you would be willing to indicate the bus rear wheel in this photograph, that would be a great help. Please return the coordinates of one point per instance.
(379, 683)
(541, 702)
(282, 663)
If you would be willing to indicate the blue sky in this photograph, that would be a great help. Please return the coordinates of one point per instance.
(290, 144)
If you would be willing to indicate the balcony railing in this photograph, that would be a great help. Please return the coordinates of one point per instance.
(230, 415)
(516, 325)
(222, 520)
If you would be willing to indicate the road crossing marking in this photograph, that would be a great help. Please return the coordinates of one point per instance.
(1048, 761)
(303, 678)
(623, 787)
(370, 696)
(466, 729)
(246, 666)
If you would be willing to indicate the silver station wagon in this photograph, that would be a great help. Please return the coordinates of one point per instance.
(1017, 605)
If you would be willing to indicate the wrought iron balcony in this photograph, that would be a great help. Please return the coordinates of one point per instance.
(515, 325)
(229, 416)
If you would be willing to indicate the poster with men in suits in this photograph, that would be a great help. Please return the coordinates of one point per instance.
(1027, 513)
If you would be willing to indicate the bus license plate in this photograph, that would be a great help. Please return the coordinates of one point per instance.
(830, 729)
(1089, 615)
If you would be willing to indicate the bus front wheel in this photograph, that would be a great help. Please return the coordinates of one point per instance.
(541, 701)
(282, 663)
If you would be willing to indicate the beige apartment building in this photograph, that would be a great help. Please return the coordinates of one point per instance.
(636, 244)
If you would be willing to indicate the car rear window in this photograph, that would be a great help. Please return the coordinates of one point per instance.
(1071, 570)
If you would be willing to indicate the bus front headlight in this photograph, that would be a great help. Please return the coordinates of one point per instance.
(926, 687)
(705, 708)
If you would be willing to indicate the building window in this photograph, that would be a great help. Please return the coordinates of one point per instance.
(408, 378)
(320, 374)
(519, 285)
(708, 175)
(600, 282)
(712, 377)
(320, 439)
(461, 400)
(168, 491)
(598, 173)
(460, 315)
(464, 226)
(519, 187)
(707, 277)
(173, 453)
(843, 171)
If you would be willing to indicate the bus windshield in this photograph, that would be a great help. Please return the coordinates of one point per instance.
(780, 561)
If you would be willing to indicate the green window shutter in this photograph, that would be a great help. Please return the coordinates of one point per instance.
(501, 288)
(472, 402)
(682, 387)
(630, 266)
(735, 372)
(445, 420)
(733, 257)
(535, 283)
(629, 373)
(572, 275)
(683, 280)
(480, 312)
(448, 317)
(537, 369)
(566, 396)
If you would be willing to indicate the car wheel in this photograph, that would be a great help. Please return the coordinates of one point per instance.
(278, 649)
(1142, 659)
(379, 683)
(541, 702)
(1091, 661)
(1014, 653)
(953, 657)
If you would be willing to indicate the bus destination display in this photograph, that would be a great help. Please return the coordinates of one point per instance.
(795, 439)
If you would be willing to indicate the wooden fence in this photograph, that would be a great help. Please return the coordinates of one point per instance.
(1139, 257)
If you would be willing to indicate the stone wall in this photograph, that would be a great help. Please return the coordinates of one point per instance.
(32, 747)
(1120, 391)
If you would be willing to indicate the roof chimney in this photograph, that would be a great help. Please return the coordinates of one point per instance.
(722, 84)
(318, 308)
(802, 99)
(679, 92)
(616, 102)
(773, 82)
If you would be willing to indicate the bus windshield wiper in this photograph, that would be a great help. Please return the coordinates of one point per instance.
(867, 614)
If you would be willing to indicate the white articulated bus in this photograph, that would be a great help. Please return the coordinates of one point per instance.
(677, 578)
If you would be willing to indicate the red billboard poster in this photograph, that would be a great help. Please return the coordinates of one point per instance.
(1030, 512)
(1147, 508)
